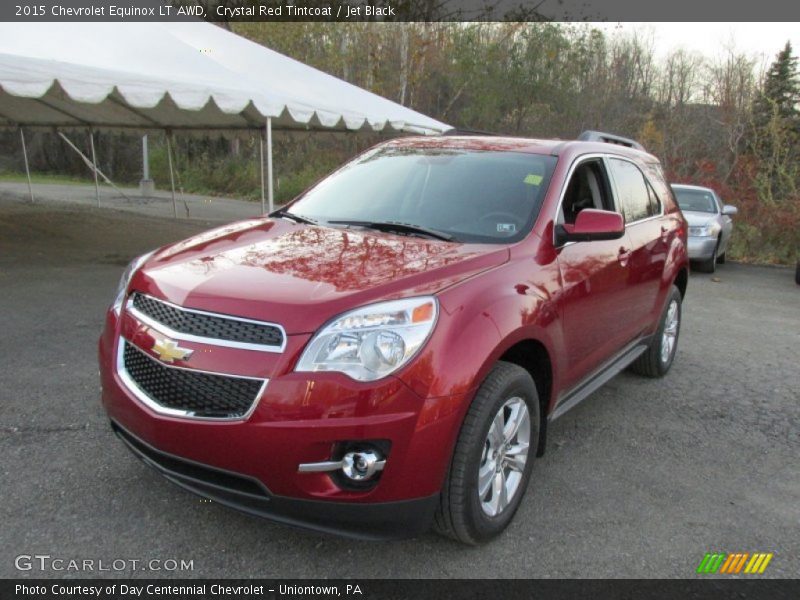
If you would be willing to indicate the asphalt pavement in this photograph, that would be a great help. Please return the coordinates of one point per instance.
(641, 480)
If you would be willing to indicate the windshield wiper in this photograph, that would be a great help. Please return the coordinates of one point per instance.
(397, 227)
(294, 217)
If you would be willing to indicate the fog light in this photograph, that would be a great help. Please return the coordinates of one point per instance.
(355, 465)
(361, 465)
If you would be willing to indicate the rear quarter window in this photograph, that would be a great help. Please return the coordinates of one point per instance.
(655, 175)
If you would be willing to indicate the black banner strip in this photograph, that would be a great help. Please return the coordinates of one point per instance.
(344, 11)
(397, 589)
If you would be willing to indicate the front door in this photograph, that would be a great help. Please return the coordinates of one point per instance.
(595, 279)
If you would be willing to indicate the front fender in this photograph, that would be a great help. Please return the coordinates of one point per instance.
(479, 321)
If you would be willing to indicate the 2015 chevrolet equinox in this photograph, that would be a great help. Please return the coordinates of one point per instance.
(387, 351)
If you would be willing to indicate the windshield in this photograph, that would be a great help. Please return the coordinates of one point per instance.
(467, 195)
(696, 200)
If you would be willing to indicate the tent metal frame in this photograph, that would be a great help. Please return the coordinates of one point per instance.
(171, 174)
(265, 137)
(267, 189)
(27, 168)
(92, 164)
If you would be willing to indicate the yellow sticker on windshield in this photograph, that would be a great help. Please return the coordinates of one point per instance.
(533, 179)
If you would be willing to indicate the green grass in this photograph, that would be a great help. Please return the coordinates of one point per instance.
(44, 178)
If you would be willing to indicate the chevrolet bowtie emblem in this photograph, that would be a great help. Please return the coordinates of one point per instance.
(169, 351)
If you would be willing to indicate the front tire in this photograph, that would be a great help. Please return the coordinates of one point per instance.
(658, 358)
(710, 264)
(493, 457)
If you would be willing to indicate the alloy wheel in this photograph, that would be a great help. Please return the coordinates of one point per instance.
(505, 454)
(670, 335)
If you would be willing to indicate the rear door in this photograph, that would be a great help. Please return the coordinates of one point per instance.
(649, 238)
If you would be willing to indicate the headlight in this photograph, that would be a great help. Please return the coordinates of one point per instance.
(125, 280)
(374, 341)
(702, 231)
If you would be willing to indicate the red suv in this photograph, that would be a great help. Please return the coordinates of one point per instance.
(387, 352)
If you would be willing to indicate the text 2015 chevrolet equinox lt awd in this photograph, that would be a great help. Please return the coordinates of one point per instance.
(387, 352)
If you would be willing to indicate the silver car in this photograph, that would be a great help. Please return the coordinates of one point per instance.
(710, 224)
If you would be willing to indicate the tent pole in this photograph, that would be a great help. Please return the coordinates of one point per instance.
(145, 159)
(261, 165)
(270, 194)
(27, 168)
(94, 169)
(171, 175)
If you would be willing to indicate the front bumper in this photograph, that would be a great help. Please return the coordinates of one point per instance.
(251, 464)
(701, 248)
(384, 520)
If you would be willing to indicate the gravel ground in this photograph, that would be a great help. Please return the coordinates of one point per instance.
(641, 480)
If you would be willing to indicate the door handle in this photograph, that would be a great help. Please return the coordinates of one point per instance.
(624, 255)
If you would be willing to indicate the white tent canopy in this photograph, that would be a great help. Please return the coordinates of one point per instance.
(176, 76)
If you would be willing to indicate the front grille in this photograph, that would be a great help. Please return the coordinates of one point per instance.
(196, 393)
(205, 325)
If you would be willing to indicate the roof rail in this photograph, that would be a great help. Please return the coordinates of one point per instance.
(609, 138)
(456, 131)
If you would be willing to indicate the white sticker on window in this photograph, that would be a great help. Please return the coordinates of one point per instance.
(506, 228)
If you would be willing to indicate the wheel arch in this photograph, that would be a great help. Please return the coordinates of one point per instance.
(532, 355)
(681, 280)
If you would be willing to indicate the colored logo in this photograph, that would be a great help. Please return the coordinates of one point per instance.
(731, 564)
(169, 351)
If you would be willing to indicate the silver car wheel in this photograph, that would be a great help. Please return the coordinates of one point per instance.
(505, 454)
(670, 335)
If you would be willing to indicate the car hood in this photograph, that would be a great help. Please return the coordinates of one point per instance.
(698, 219)
(302, 276)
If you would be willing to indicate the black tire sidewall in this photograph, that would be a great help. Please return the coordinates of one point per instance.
(484, 527)
(663, 367)
(711, 263)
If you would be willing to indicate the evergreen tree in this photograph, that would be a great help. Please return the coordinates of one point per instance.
(776, 130)
(780, 95)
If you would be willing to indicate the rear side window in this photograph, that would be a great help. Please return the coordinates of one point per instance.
(636, 197)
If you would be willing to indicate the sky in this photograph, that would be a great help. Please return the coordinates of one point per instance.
(760, 40)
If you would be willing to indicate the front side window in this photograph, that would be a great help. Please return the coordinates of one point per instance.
(470, 195)
(634, 193)
(587, 188)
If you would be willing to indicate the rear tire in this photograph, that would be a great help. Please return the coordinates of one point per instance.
(797, 274)
(487, 456)
(721, 259)
(658, 358)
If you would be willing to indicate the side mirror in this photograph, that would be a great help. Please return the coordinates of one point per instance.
(590, 225)
(729, 210)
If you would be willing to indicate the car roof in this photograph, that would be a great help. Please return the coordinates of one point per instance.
(553, 147)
